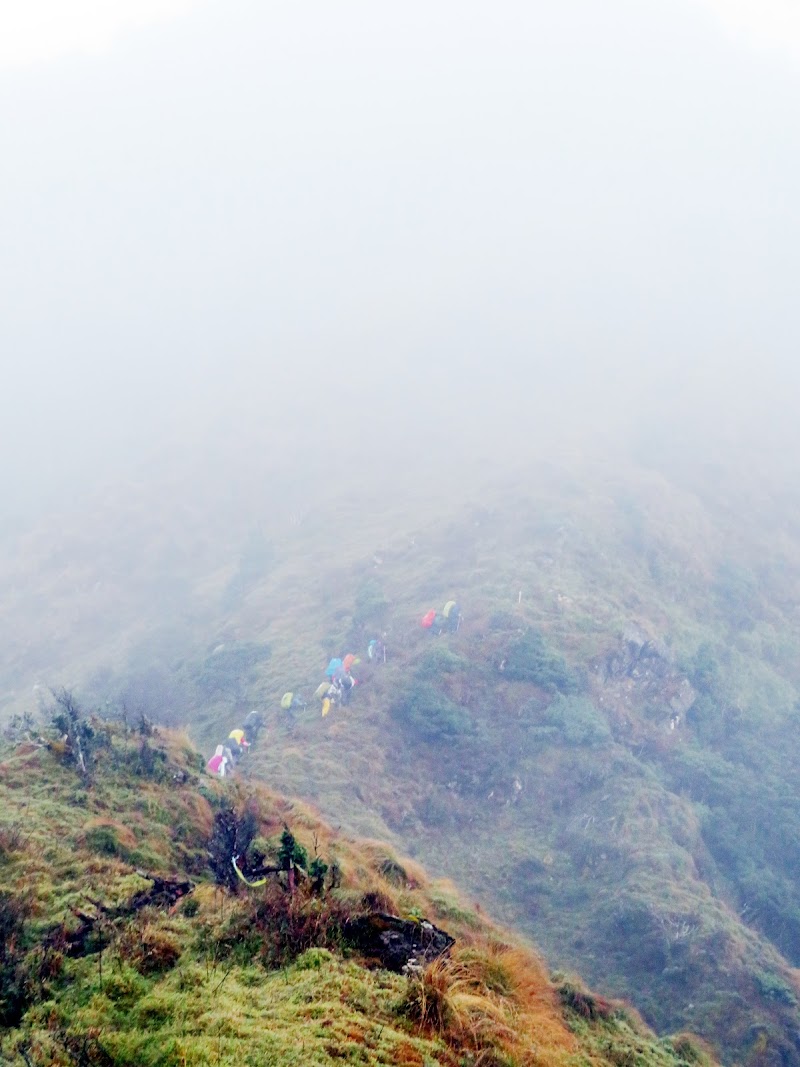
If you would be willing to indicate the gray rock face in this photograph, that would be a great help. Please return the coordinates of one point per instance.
(638, 656)
(398, 944)
(641, 672)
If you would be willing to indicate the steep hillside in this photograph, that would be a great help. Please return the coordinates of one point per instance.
(127, 938)
(614, 753)
(606, 752)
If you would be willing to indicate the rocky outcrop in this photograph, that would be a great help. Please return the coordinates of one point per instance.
(639, 657)
(640, 673)
(398, 944)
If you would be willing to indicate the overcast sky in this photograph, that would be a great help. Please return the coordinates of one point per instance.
(285, 212)
(42, 30)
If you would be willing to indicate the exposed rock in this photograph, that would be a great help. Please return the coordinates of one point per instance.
(684, 698)
(640, 672)
(399, 944)
(638, 656)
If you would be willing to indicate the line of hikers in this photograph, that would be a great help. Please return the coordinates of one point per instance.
(339, 682)
(336, 689)
(448, 621)
(238, 742)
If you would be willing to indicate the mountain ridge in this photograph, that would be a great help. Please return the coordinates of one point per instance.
(653, 856)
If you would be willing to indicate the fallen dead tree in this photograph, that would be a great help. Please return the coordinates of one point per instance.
(91, 934)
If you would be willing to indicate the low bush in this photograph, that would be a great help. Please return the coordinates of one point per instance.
(158, 950)
(148, 947)
(583, 1003)
(690, 1050)
(190, 907)
(12, 839)
(76, 738)
(440, 660)
(501, 621)
(737, 591)
(14, 914)
(371, 606)
(256, 559)
(103, 840)
(528, 659)
(772, 986)
(428, 715)
(393, 871)
(149, 762)
(578, 721)
(277, 927)
(704, 669)
(313, 959)
(451, 1000)
(124, 984)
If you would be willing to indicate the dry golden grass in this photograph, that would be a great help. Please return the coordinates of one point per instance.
(495, 1002)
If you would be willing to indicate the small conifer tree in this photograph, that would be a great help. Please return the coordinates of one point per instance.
(75, 733)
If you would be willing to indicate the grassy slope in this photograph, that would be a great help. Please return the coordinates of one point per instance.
(217, 980)
(655, 861)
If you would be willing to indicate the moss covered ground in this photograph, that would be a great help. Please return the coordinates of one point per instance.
(247, 975)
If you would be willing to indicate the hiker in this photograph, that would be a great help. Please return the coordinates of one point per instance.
(252, 724)
(292, 701)
(238, 743)
(452, 616)
(348, 684)
(334, 693)
(321, 691)
(345, 683)
(238, 736)
(426, 622)
(376, 651)
(332, 667)
(218, 762)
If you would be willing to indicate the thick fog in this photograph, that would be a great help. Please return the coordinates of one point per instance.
(378, 222)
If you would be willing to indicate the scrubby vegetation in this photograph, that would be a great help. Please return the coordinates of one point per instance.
(527, 658)
(123, 943)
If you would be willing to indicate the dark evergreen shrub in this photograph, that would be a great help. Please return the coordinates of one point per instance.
(528, 659)
(428, 715)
